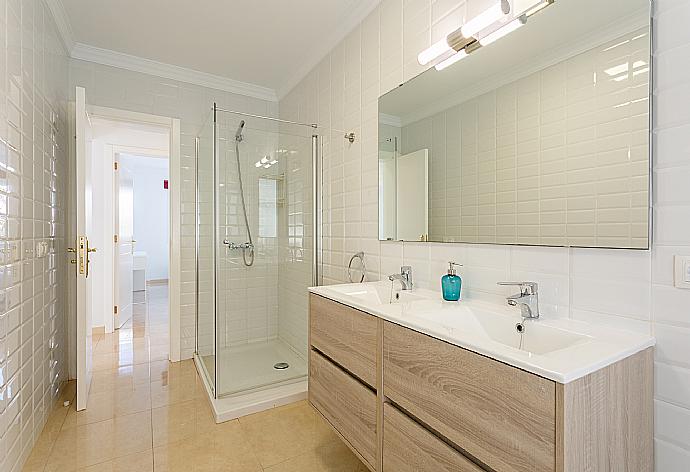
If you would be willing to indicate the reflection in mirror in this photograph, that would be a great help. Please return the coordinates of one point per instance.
(538, 138)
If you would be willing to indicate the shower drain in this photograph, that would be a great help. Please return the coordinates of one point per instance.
(281, 365)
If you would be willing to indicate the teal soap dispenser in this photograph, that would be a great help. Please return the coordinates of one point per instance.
(451, 283)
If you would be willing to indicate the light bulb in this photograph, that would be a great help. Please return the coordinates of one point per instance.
(451, 60)
(484, 19)
(503, 31)
(530, 7)
(436, 50)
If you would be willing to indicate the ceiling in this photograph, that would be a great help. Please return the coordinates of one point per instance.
(269, 43)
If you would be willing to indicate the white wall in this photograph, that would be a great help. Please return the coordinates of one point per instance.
(33, 199)
(151, 211)
(626, 288)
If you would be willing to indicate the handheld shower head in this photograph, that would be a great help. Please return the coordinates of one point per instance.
(238, 133)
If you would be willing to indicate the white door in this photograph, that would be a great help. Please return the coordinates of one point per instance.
(81, 249)
(124, 247)
(412, 196)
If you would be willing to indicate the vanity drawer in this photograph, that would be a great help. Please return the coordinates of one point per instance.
(409, 447)
(501, 415)
(345, 335)
(346, 403)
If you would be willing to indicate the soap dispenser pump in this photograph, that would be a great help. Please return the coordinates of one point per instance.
(451, 283)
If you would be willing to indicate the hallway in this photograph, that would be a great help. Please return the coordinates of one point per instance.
(145, 414)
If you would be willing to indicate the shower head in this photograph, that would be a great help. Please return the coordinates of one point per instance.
(238, 133)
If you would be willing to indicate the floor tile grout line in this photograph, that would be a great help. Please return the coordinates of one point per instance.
(54, 441)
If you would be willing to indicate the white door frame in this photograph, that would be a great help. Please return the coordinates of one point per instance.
(174, 278)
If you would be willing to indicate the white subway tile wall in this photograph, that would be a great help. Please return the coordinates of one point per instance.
(247, 296)
(33, 199)
(624, 288)
(134, 91)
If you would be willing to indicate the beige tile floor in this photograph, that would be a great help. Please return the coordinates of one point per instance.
(145, 414)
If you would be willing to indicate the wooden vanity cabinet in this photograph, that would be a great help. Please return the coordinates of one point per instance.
(410, 447)
(407, 402)
(503, 416)
(345, 335)
(346, 403)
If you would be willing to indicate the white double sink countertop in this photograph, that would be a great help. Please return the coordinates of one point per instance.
(558, 349)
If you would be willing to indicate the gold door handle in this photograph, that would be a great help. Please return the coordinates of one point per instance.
(71, 249)
(88, 259)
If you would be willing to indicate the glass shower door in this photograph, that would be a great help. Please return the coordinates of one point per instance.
(263, 252)
(205, 254)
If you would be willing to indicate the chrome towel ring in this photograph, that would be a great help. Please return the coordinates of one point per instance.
(360, 256)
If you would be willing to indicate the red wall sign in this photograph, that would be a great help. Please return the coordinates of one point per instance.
(165, 184)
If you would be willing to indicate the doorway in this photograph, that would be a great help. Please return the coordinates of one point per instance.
(146, 179)
(119, 155)
(131, 215)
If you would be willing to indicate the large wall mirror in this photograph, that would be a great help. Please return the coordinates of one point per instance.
(536, 132)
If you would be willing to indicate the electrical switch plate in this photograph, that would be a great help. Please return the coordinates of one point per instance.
(681, 271)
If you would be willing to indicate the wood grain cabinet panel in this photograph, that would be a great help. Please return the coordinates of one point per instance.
(345, 335)
(502, 416)
(346, 403)
(409, 447)
(608, 419)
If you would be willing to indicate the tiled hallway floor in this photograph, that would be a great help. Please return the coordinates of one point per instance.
(145, 414)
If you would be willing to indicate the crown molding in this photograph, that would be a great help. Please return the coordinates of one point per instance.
(57, 9)
(112, 58)
(357, 14)
(121, 60)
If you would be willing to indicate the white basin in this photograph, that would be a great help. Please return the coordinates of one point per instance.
(559, 349)
(378, 293)
(535, 337)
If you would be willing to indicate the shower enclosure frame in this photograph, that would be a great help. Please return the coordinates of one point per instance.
(316, 181)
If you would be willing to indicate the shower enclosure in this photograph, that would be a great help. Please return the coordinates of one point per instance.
(256, 250)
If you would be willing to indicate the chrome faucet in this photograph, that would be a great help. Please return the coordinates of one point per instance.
(527, 299)
(405, 277)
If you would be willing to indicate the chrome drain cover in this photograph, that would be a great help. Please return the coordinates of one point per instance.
(281, 366)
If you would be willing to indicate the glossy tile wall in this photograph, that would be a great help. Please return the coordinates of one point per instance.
(632, 289)
(295, 261)
(118, 88)
(33, 183)
(247, 296)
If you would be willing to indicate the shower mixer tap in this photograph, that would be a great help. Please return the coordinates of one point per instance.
(232, 245)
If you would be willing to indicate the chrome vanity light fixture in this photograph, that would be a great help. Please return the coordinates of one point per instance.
(461, 37)
(462, 42)
(452, 60)
(530, 7)
(504, 31)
